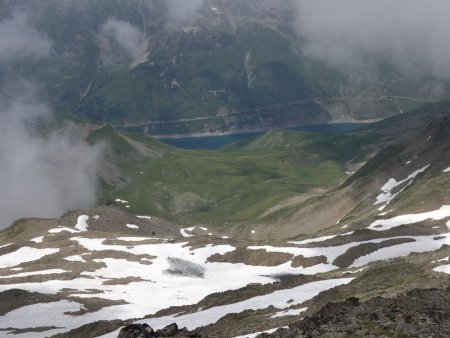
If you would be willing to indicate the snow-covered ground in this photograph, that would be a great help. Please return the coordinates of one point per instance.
(151, 274)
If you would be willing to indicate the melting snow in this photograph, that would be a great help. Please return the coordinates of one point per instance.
(443, 268)
(280, 299)
(62, 229)
(42, 314)
(319, 239)
(133, 239)
(144, 217)
(35, 273)
(447, 170)
(121, 201)
(386, 195)
(24, 254)
(132, 226)
(37, 239)
(386, 224)
(82, 223)
(290, 312)
(184, 232)
(120, 268)
(75, 258)
(256, 334)
(313, 240)
(421, 244)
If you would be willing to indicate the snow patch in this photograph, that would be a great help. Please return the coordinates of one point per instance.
(443, 268)
(37, 239)
(184, 232)
(23, 255)
(386, 224)
(133, 239)
(386, 190)
(132, 226)
(82, 223)
(36, 273)
(290, 312)
(62, 229)
(256, 334)
(144, 217)
(75, 258)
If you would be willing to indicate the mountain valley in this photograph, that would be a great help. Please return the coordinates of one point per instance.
(224, 168)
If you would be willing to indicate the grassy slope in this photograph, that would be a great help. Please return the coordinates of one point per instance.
(234, 184)
(238, 183)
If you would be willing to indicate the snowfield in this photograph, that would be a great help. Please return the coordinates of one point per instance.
(146, 274)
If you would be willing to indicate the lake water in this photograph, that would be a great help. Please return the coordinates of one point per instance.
(215, 142)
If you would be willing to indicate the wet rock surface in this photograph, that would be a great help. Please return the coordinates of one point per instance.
(418, 313)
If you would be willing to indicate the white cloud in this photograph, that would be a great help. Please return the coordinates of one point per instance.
(183, 9)
(412, 34)
(41, 176)
(20, 40)
(130, 38)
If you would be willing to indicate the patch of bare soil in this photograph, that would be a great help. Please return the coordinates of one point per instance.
(123, 281)
(141, 148)
(307, 262)
(15, 298)
(252, 257)
(120, 255)
(297, 199)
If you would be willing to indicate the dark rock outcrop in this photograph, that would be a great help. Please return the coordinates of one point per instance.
(418, 313)
(145, 331)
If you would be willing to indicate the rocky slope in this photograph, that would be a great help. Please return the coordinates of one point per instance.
(417, 313)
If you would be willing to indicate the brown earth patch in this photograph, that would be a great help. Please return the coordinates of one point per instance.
(124, 281)
(252, 257)
(15, 298)
(307, 262)
(119, 255)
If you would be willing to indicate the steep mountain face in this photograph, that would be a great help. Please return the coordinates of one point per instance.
(226, 66)
(91, 272)
(384, 185)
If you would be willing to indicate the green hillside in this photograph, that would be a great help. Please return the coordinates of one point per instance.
(234, 184)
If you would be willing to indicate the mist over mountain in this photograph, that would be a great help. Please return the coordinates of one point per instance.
(225, 66)
(411, 35)
(43, 171)
(309, 224)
